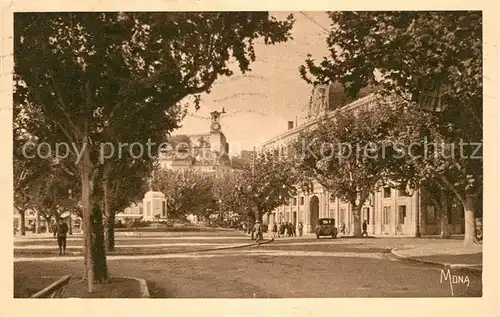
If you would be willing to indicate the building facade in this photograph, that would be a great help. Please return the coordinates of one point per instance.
(205, 152)
(388, 212)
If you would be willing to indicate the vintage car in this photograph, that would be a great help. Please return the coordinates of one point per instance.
(326, 227)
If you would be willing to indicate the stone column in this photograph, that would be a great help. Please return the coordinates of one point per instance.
(380, 205)
(337, 204)
(307, 213)
(321, 205)
(396, 211)
(326, 204)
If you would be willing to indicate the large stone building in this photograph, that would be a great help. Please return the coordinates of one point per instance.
(387, 212)
(205, 152)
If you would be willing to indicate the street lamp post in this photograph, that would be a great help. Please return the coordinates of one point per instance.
(70, 225)
(417, 214)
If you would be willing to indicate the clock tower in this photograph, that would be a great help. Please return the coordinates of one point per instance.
(215, 122)
(218, 143)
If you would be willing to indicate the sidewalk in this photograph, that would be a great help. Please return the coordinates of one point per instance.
(446, 253)
(34, 236)
(269, 235)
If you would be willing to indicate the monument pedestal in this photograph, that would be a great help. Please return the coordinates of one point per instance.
(154, 206)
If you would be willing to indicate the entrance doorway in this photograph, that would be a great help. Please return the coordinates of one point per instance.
(313, 212)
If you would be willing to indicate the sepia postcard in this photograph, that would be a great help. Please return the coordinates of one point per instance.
(250, 158)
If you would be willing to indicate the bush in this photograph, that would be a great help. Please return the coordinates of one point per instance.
(119, 224)
(140, 224)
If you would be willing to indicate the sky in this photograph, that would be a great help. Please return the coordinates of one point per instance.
(259, 104)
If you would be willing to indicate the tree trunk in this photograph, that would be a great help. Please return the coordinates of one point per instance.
(356, 217)
(110, 232)
(70, 224)
(37, 221)
(470, 220)
(418, 214)
(22, 220)
(87, 217)
(443, 214)
(98, 250)
(49, 223)
(109, 223)
(258, 215)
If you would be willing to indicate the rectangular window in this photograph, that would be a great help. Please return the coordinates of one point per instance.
(301, 200)
(387, 192)
(366, 215)
(332, 198)
(402, 193)
(386, 215)
(295, 201)
(402, 214)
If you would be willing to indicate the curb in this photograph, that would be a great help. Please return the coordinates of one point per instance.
(466, 267)
(144, 291)
(142, 284)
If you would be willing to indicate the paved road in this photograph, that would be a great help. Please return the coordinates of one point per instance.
(289, 268)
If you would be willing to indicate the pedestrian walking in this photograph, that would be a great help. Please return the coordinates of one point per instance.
(342, 228)
(301, 228)
(61, 231)
(365, 226)
(294, 231)
(257, 231)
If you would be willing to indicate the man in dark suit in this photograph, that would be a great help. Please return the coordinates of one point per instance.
(61, 231)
